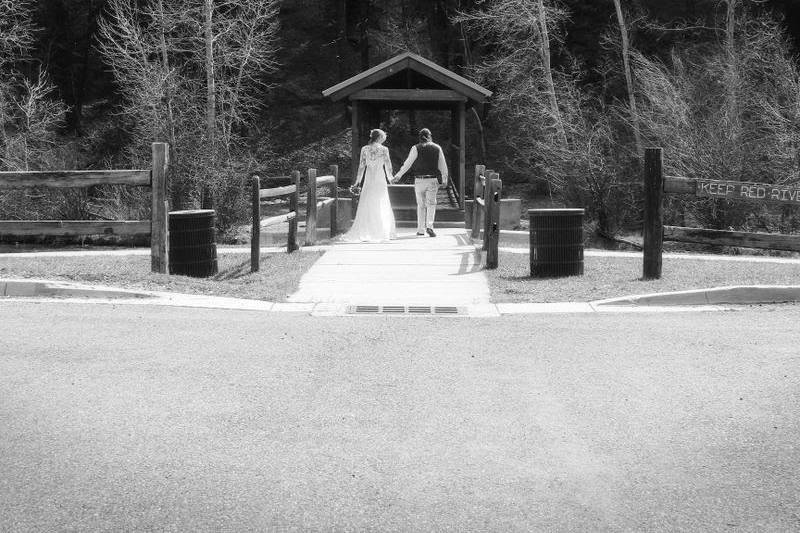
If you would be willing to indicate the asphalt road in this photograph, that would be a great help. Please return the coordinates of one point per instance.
(170, 419)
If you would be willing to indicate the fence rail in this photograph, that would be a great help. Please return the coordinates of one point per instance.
(156, 227)
(655, 232)
(486, 207)
(313, 205)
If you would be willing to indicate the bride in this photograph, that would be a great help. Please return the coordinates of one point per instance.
(374, 220)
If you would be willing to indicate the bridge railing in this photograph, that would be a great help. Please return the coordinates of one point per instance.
(486, 208)
(156, 228)
(292, 193)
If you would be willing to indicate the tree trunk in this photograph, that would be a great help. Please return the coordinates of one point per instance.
(629, 78)
(551, 88)
(211, 117)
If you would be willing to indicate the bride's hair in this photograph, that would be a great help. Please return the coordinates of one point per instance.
(377, 135)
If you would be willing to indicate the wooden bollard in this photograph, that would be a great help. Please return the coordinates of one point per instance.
(159, 225)
(653, 230)
(311, 208)
(477, 191)
(294, 206)
(335, 205)
(255, 236)
(492, 237)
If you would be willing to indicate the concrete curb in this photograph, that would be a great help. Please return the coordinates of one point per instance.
(715, 299)
(46, 288)
(733, 295)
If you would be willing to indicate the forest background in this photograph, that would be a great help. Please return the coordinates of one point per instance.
(580, 87)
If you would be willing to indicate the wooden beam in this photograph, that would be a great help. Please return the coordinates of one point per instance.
(294, 206)
(255, 236)
(335, 206)
(159, 236)
(492, 237)
(325, 180)
(355, 150)
(408, 95)
(368, 77)
(277, 191)
(325, 202)
(462, 153)
(768, 241)
(278, 219)
(73, 178)
(679, 185)
(477, 191)
(74, 227)
(311, 208)
(653, 214)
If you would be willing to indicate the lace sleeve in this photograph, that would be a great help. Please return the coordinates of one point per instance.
(362, 164)
(387, 163)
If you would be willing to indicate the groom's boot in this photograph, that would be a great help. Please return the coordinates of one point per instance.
(430, 232)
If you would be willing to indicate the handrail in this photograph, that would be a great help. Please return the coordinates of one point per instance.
(277, 191)
(293, 193)
(257, 194)
(156, 227)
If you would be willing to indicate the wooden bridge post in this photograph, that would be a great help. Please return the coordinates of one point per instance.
(492, 237)
(294, 207)
(486, 220)
(335, 205)
(311, 208)
(159, 225)
(477, 191)
(255, 236)
(653, 231)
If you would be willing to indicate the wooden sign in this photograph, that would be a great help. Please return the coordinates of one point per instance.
(744, 190)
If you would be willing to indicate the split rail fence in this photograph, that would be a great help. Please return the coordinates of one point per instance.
(292, 191)
(156, 228)
(656, 185)
(486, 209)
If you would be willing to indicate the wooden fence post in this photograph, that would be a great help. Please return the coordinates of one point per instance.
(477, 191)
(653, 231)
(335, 205)
(486, 200)
(311, 208)
(492, 238)
(294, 206)
(159, 225)
(255, 237)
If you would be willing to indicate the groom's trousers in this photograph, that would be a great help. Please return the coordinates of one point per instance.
(425, 190)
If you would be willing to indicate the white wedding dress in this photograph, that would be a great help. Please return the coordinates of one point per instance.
(374, 221)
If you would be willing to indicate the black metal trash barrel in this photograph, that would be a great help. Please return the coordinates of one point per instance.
(556, 242)
(192, 243)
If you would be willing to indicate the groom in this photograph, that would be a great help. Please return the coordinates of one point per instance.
(426, 161)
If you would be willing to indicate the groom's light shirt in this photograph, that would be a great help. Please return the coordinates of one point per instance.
(412, 156)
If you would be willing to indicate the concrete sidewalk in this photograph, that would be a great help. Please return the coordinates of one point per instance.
(411, 270)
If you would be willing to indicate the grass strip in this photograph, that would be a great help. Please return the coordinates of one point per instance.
(610, 277)
(278, 277)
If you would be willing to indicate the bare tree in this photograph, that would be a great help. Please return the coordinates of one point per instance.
(194, 72)
(623, 30)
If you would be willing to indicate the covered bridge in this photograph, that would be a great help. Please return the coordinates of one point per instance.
(409, 81)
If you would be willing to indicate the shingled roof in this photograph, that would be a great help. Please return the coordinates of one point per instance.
(408, 61)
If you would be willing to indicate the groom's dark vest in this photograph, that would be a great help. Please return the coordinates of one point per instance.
(427, 162)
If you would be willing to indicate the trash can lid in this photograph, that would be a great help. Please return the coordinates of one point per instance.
(566, 211)
(192, 213)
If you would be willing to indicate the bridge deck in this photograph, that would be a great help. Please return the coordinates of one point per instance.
(411, 270)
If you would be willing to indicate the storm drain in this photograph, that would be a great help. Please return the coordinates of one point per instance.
(403, 310)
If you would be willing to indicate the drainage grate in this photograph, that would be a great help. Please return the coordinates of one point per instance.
(403, 310)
